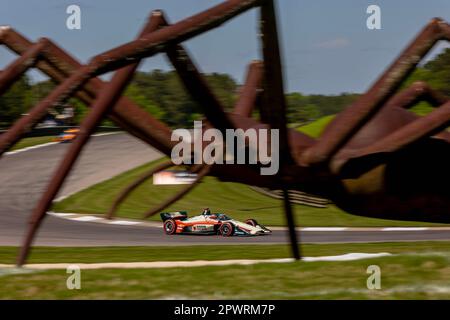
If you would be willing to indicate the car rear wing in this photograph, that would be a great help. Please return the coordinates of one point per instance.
(179, 215)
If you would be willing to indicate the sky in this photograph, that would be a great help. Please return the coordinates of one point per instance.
(326, 45)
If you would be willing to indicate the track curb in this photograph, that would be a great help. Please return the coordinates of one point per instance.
(78, 217)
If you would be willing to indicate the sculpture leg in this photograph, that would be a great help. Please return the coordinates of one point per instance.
(58, 65)
(125, 54)
(197, 87)
(291, 225)
(200, 92)
(426, 126)
(348, 122)
(274, 103)
(104, 103)
(418, 91)
(250, 90)
(24, 124)
(18, 67)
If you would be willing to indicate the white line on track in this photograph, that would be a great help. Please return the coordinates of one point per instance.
(86, 218)
(404, 229)
(62, 215)
(52, 143)
(327, 229)
(30, 148)
(124, 223)
(197, 263)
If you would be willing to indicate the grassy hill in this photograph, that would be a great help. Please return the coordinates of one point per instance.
(237, 200)
(315, 128)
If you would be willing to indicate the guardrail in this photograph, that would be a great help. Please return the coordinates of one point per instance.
(296, 197)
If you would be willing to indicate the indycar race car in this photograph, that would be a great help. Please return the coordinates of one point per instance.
(68, 135)
(210, 223)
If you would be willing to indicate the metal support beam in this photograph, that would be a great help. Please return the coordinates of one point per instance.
(196, 86)
(296, 253)
(18, 67)
(101, 107)
(347, 123)
(274, 103)
(250, 90)
(58, 65)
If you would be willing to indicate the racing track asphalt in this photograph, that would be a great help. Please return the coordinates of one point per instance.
(24, 175)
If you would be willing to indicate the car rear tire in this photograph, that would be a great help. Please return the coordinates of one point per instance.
(170, 227)
(251, 222)
(226, 229)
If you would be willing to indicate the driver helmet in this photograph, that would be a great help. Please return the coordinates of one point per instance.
(206, 212)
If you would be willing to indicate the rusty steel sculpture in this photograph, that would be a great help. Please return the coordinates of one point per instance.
(375, 158)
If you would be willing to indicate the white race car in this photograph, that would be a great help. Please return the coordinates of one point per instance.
(210, 223)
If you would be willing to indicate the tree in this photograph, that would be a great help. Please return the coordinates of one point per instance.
(165, 97)
(299, 109)
(15, 102)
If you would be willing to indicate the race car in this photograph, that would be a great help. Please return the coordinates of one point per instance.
(210, 223)
(68, 135)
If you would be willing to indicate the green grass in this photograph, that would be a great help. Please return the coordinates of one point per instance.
(29, 142)
(145, 254)
(423, 275)
(314, 129)
(213, 252)
(237, 200)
